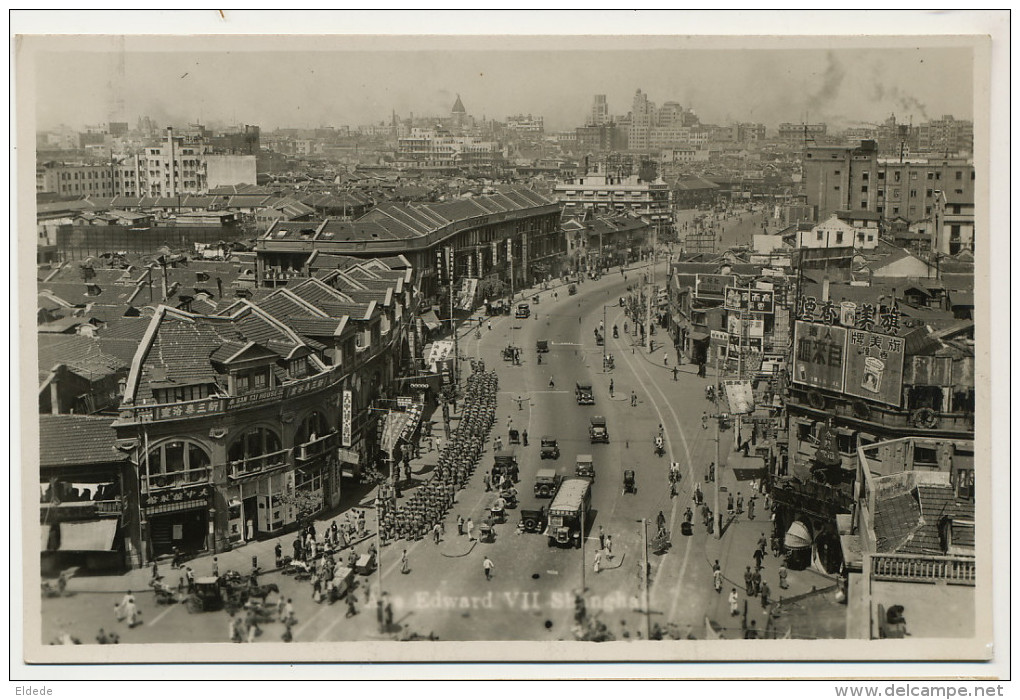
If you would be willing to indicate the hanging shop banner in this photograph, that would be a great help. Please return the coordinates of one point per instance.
(440, 275)
(713, 286)
(819, 352)
(495, 253)
(466, 296)
(509, 249)
(393, 423)
(437, 352)
(481, 262)
(445, 368)
(348, 413)
(471, 266)
(874, 367)
(449, 263)
(739, 396)
(349, 456)
(524, 247)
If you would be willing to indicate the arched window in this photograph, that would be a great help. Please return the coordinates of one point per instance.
(254, 442)
(177, 462)
(312, 427)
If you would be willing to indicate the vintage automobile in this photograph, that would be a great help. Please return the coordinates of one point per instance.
(597, 430)
(550, 448)
(546, 483)
(585, 467)
(505, 463)
(584, 394)
(629, 482)
(533, 520)
(523, 311)
(541, 346)
(572, 289)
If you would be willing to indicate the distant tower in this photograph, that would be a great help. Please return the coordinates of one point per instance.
(458, 113)
(599, 111)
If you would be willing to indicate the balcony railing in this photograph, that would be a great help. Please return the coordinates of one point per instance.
(77, 510)
(179, 479)
(240, 468)
(920, 568)
(315, 448)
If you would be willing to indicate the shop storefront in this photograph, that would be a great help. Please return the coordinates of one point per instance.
(178, 518)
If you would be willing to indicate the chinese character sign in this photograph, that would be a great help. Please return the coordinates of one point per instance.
(439, 266)
(348, 411)
(874, 367)
(819, 352)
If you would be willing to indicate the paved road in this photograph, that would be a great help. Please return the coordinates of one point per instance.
(531, 594)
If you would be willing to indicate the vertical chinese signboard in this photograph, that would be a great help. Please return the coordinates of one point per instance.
(348, 410)
(818, 355)
(874, 367)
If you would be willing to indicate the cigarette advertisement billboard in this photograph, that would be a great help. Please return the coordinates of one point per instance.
(874, 367)
(818, 355)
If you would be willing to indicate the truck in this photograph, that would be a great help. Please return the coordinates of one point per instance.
(585, 395)
(568, 513)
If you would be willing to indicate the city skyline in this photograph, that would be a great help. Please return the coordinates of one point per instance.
(280, 89)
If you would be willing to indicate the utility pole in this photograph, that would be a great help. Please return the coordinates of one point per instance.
(583, 586)
(718, 460)
(644, 577)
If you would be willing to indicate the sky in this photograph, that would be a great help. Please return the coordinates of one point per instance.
(237, 84)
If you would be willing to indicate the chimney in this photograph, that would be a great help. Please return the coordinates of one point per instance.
(219, 286)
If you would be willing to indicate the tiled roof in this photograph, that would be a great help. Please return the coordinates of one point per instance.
(897, 518)
(76, 293)
(937, 502)
(68, 440)
(84, 356)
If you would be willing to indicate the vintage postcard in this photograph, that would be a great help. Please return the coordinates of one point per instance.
(492, 348)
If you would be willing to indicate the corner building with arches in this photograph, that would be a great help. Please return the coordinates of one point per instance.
(240, 423)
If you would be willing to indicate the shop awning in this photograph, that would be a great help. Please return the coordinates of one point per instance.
(89, 536)
(698, 336)
(430, 320)
(798, 536)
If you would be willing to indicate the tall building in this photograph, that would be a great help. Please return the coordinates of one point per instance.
(429, 148)
(643, 119)
(801, 134)
(458, 114)
(946, 136)
(599, 111)
(603, 189)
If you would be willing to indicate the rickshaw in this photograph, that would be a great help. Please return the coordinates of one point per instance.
(599, 340)
(510, 352)
(498, 511)
(365, 564)
(341, 584)
(486, 533)
(629, 482)
(514, 436)
(534, 299)
(660, 543)
(205, 595)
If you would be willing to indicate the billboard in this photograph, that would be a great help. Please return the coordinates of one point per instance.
(818, 355)
(761, 301)
(752, 327)
(739, 396)
(713, 286)
(874, 367)
(348, 414)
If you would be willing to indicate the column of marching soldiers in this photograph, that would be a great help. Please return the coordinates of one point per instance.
(427, 507)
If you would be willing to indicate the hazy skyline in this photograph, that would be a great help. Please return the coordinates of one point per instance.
(235, 85)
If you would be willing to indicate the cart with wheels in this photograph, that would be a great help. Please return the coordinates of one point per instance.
(629, 482)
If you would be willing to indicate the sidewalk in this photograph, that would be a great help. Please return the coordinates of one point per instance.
(739, 540)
